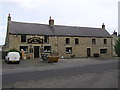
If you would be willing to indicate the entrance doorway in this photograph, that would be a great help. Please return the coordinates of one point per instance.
(88, 52)
(36, 51)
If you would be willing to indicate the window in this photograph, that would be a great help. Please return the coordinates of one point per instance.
(68, 50)
(23, 38)
(46, 39)
(31, 50)
(47, 49)
(103, 51)
(76, 41)
(67, 40)
(25, 48)
(93, 41)
(105, 41)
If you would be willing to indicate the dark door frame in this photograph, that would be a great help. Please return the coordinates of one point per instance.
(36, 51)
(88, 52)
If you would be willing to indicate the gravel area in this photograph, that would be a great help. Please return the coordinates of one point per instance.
(38, 65)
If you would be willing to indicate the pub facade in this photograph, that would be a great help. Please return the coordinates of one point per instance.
(63, 41)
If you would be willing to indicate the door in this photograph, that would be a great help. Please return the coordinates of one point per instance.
(36, 51)
(88, 52)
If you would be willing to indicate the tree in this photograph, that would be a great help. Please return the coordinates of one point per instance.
(117, 47)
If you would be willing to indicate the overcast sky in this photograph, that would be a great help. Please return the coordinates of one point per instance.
(84, 13)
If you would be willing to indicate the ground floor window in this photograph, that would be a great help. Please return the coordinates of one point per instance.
(47, 49)
(68, 50)
(103, 51)
(25, 48)
(31, 50)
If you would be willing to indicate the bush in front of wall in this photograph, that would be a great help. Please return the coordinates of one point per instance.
(117, 47)
(14, 50)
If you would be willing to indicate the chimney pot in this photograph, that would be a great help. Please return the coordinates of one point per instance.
(103, 26)
(50, 17)
(9, 17)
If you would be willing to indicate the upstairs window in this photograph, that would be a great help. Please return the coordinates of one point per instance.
(67, 40)
(46, 39)
(76, 41)
(47, 49)
(68, 50)
(93, 41)
(23, 38)
(105, 41)
(103, 51)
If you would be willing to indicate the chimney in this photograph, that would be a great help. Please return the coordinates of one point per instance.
(115, 33)
(51, 21)
(9, 17)
(103, 26)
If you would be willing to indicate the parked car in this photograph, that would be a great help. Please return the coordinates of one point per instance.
(12, 57)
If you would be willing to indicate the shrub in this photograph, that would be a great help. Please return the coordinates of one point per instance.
(14, 50)
(117, 47)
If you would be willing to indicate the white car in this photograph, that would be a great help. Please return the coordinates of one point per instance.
(13, 57)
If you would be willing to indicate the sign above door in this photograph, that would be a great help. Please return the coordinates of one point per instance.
(35, 40)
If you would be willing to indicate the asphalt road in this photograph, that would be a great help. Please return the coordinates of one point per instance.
(35, 75)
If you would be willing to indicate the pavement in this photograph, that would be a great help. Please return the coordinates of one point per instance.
(107, 79)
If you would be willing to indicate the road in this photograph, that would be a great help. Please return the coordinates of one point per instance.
(104, 75)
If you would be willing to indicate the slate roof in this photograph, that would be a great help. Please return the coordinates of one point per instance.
(56, 30)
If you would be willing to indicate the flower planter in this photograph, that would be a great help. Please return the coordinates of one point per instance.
(53, 59)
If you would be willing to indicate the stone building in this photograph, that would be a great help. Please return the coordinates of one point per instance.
(65, 41)
(115, 38)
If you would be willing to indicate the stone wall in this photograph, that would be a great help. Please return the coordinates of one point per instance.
(58, 45)
(80, 50)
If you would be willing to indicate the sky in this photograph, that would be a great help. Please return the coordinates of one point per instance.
(84, 13)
